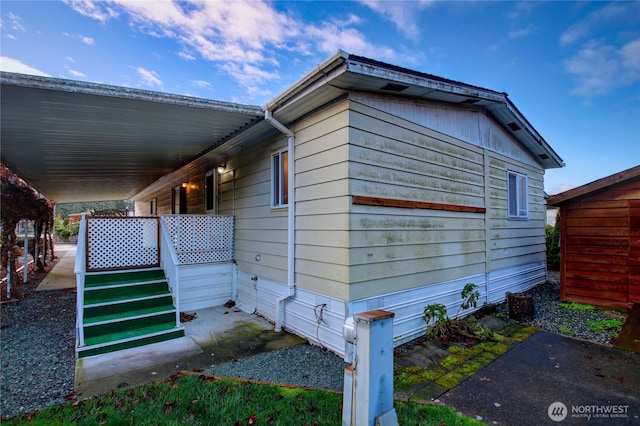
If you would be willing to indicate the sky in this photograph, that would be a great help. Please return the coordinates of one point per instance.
(571, 68)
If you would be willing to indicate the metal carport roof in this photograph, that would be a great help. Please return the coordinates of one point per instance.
(79, 141)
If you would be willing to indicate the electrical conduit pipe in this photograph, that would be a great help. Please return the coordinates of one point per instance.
(291, 287)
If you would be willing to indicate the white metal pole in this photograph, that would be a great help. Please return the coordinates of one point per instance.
(25, 271)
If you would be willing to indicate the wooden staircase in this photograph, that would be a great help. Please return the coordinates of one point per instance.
(127, 309)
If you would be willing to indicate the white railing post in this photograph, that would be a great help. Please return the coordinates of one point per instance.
(80, 271)
(169, 262)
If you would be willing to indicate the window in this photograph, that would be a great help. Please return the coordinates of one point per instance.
(179, 200)
(211, 191)
(517, 195)
(280, 179)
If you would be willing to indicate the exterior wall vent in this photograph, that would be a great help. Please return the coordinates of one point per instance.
(543, 156)
(513, 126)
(391, 87)
(470, 101)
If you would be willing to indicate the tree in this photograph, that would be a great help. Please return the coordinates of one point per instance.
(21, 202)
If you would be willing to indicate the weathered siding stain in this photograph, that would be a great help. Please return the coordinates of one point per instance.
(465, 123)
(400, 158)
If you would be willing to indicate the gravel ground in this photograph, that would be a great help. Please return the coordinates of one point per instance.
(556, 317)
(313, 367)
(38, 360)
(37, 351)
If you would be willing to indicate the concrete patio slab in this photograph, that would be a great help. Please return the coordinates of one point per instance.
(215, 336)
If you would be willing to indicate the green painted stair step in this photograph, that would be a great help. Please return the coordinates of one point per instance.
(126, 277)
(135, 342)
(127, 309)
(127, 328)
(123, 309)
(125, 292)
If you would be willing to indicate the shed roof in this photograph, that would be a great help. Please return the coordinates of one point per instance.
(596, 185)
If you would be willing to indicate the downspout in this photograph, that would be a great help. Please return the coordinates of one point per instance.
(291, 232)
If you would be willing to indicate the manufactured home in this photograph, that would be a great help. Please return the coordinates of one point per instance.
(362, 186)
(600, 241)
(366, 186)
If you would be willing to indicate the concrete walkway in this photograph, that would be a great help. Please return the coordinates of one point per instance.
(62, 276)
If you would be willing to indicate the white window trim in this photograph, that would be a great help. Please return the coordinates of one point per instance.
(522, 184)
(277, 178)
(214, 193)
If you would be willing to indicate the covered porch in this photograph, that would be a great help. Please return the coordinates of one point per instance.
(215, 335)
(78, 141)
(135, 276)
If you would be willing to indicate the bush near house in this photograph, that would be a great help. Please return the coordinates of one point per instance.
(63, 229)
(552, 238)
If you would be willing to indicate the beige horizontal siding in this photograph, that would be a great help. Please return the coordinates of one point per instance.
(514, 242)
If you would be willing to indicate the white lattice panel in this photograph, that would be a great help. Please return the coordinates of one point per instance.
(116, 243)
(201, 238)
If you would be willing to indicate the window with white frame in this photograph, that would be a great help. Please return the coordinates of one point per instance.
(280, 179)
(211, 191)
(517, 195)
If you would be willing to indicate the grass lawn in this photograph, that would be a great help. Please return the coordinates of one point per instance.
(203, 400)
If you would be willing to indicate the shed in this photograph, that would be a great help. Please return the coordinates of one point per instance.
(600, 241)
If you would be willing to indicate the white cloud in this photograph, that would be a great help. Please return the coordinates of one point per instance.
(87, 40)
(630, 60)
(77, 74)
(83, 39)
(522, 32)
(202, 84)
(92, 10)
(251, 77)
(186, 56)
(10, 37)
(612, 15)
(242, 37)
(331, 37)
(607, 44)
(599, 68)
(148, 78)
(403, 14)
(70, 59)
(15, 22)
(13, 65)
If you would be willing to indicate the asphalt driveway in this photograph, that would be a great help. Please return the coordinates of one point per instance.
(552, 379)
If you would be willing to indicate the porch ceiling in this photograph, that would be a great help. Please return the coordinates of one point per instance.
(78, 141)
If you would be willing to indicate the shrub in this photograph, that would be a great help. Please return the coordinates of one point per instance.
(552, 239)
(446, 329)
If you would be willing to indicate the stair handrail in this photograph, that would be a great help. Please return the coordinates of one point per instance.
(169, 263)
(80, 271)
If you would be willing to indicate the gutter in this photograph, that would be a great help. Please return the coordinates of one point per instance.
(291, 236)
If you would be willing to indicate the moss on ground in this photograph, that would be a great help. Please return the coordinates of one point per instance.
(463, 361)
